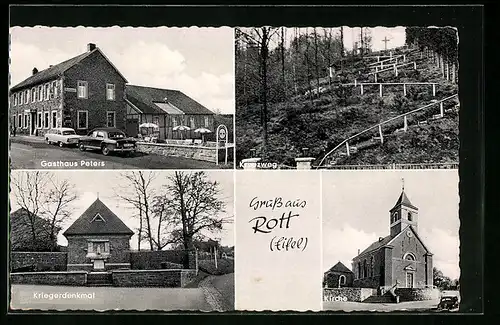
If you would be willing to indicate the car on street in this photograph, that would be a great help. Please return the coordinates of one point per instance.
(108, 140)
(448, 302)
(62, 137)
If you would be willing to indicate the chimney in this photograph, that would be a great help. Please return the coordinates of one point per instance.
(358, 251)
(380, 239)
(90, 47)
(50, 66)
(35, 71)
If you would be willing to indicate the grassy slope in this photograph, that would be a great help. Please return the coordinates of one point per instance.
(224, 266)
(323, 123)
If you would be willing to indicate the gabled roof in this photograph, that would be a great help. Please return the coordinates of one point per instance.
(58, 69)
(389, 239)
(339, 267)
(404, 200)
(145, 99)
(85, 225)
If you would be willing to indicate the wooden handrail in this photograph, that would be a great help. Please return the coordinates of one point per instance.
(389, 83)
(382, 123)
(389, 59)
(392, 68)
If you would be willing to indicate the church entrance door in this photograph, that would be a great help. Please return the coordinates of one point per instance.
(409, 280)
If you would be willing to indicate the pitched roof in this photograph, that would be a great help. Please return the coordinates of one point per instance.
(403, 200)
(377, 244)
(56, 70)
(144, 98)
(86, 225)
(340, 267)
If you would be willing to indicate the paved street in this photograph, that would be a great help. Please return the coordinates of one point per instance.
(107, 298)
(415, 306)
(37, 155)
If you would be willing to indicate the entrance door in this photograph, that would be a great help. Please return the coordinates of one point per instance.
(409, 280)
(132, 127)
(32, 120)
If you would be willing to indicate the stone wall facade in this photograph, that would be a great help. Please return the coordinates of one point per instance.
(76, 278)
(152, 260)
(348, 294)
(38, 261)
(417, 294)
(176, 150)
(119, 246)
(152, 278)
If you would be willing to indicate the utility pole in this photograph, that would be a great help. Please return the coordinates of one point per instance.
(385, 40)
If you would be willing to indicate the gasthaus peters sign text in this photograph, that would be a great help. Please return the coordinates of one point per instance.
(278, 240)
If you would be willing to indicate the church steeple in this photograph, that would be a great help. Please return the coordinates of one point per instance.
(403, 213)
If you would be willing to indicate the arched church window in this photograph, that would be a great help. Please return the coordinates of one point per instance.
(342, 279)
(371, 266)
(365, 270)
(410, 217)
(359, 270)
(409, 257)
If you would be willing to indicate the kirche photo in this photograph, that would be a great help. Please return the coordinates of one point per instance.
(121, 240)
(391, 241)
(145, 98)
(347, 97)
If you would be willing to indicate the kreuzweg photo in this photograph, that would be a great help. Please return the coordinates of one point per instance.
(122, 240)
(391, 241)
(121, 98)
(346, 97)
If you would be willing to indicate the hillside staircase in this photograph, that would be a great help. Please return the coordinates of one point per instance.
(99, 279)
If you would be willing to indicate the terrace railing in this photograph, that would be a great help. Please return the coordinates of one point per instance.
(379, 126)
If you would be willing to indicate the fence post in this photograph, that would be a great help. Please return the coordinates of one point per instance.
(405, 124)
(380, 132)
(434, 90)
(196, 260)
(347, 149)
(380, 90)
(404, 89)
(361, 86)
(375, 77)
(355, 82)
(414, 65)
(215, 256)
(404, 57)
(441, 109)
(447, 71)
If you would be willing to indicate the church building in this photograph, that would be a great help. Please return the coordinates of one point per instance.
(98, 240)
(400, 259)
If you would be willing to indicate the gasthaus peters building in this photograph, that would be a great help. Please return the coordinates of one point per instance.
(82, 93)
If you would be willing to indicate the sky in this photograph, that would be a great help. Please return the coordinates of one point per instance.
(106, 183)
(356, 208)
(196, 61)
(395, 35)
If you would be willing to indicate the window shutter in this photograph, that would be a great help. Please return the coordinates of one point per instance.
(90, 247)
(106, 247)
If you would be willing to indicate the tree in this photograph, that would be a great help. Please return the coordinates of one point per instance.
(139, 194)
(42, 195)
(440, 280)
(195, 204)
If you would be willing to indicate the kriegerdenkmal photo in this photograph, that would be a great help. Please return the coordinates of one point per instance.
(347, 98)
(391, 241)
(121, 98)
(135, 240)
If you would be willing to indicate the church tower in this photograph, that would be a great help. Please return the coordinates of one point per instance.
(403, 214)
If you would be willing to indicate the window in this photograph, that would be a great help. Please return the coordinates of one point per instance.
(100, 134)
(110, 92)
(174, 121)
(52, 89)
(47, 91)
(26, 96)
(33, 94)
(110, 119)
(410, 217)
(14, 100)
(359, 270)
(39, 120)
(206, 121)
(409, 257)
(191, 122)
(54, 119)
(19, 120)
(82, 89)
(365, 269)
(342, 279)
(98, 217)
(40, 93)
(46, 120)
(82, 119)
(372, 267)
(25, 120)
(55, 87)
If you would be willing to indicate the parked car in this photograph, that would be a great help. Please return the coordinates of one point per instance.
(448, 303)
(107, 140)
(62, 137)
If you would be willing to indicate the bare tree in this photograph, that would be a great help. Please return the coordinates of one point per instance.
(138, 193)
(261, 37)
(282, 47)
(41, 195)
(196, 206)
